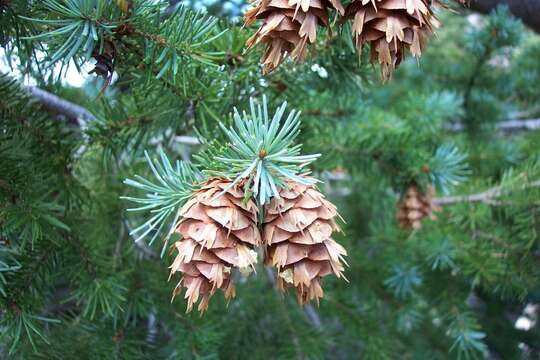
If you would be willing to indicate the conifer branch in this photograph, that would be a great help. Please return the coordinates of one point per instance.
(489, 196)
(80, 115)
(524, 114)
(506, 126)
(75, 113)
(187, 140)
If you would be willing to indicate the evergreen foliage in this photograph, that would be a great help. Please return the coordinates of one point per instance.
(83, 275)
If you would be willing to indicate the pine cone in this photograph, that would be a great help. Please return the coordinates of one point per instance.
(415, 206)
(219, 233)
(391, 27)
(297, 234)
(105, 60)
(288, 26)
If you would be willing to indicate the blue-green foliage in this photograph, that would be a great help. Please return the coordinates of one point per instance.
(163, 199)
(404, 280)
(448, 168)
(79, 24)
(183, 36)
(262, 149)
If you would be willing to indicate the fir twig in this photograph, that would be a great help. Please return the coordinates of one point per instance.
(261, 150)
(509, 126)
(76, 113)
(162, 199)
(489, 196)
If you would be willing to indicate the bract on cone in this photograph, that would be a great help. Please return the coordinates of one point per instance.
(219, 232)
(297, 233)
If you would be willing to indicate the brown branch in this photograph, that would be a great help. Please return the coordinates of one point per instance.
(489, 196)
(76, 113)
(505, 126)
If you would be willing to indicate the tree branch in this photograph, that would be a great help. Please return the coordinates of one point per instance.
(80, 115)
(489, 196)
(187, 140)
(505, 126)
(76, 113)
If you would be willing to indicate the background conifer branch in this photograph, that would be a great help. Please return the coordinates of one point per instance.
(510, 126)
(489, 196)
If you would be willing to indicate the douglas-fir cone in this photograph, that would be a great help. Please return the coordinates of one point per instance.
(288, 27)
(297, 233)
(414, 206)
(218, 233)
(391, 27)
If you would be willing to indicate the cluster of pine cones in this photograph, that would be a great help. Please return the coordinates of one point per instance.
(220, 230)
(389, 26)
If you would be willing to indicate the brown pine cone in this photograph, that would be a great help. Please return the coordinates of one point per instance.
(218, 233)
(288, 27)
(414, 206)
(391, 27)
(297, 234)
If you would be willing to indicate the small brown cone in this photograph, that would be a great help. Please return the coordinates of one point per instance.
(297, 234)
(218, 233)
(414, 206)
(391, 27)
(288, 27)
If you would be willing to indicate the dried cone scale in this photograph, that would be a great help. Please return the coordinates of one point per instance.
(415, 206)
(218, 233)
(391, 27)
(297, 233)
(288, 27)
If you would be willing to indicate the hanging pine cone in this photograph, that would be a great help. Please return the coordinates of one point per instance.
(104, 60)
(391, 27)
(414, 206)
(219, 233)
(288, 27)
(297, 233)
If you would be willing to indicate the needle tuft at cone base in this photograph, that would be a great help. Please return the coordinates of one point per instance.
(262, 151)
